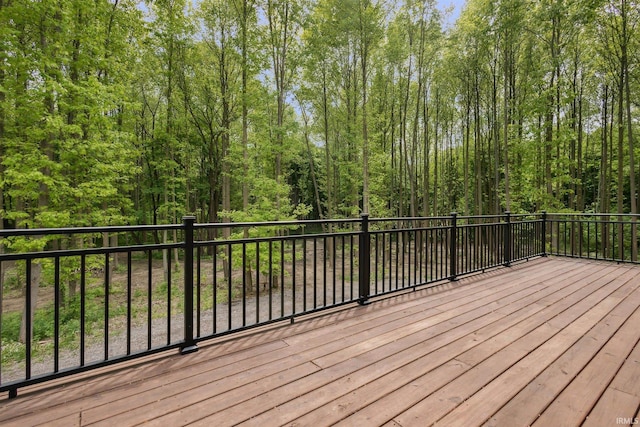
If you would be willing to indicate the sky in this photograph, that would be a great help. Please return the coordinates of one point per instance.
(456, 6)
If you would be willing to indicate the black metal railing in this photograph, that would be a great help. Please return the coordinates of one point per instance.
(611, 237)
(80, 298)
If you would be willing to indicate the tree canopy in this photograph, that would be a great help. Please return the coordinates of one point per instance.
(130, 112)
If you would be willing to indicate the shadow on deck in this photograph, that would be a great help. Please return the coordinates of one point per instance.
(547, 342)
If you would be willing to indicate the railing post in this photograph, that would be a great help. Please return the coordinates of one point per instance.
(544, 233)
(507, 240)
(189, 345)
(453, 248)
(364, 260)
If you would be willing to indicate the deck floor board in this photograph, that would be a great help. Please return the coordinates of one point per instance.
(551, 341)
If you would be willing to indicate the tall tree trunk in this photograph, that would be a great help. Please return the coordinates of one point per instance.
(436, 142)
(548, 141)
(496, 138)
(604, 167)
(280, 40)
(168, 149)
(624, 59)
(467, 143)
(3, 98)
(426, 156)
(245, 105)
(478, 199)
(620, 186)
(312, 166)
(580, 142)
(2, 136)
(402, 151)
(506, 118)
(365, 132)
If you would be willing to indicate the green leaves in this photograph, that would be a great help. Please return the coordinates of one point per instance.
(113, 113)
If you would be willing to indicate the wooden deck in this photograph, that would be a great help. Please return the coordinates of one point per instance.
(550, 342)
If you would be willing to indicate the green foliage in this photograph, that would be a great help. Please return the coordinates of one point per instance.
(111, 113)
(66, 156)
(263, 208)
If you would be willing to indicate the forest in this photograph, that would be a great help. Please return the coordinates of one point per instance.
(118, 112)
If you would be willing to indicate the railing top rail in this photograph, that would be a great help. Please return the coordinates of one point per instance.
(585, 214)
(275, 223)
(88, 251)
(416, 218)
(482, 216)
(87, 230)
(168, 227)
(222, 242)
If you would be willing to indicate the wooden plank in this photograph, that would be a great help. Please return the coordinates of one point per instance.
(596, 268)
(465, 289)
(485, 402)
(447, 398)
(279, 396)
(578, 398)
(130, 380)
(414, 373)
(193, 388)
(128, 404)
(386, 358)
(178, 388)
(596, 288)
(442, 401)
(613, 408)
(398, 400)
(419, 327)
(68, 421)
(310, 402)
(525, 407)
(438, 324)
(341, 409)
(447, 302)
(143, 385)
(504, 296)
(376, 412)
(305, 404)
(202, 413)
(628, 377)
(429, 322)
(179, 415)
(562, 286)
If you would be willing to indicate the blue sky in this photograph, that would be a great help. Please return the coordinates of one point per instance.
(455, 4)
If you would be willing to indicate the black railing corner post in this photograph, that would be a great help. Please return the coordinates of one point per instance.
(453, 248)
(364, 260)
(189, 345)
(543, 238)
(507, 239)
